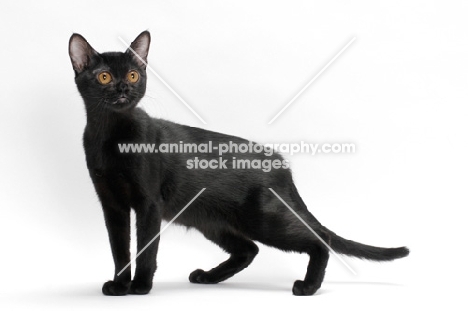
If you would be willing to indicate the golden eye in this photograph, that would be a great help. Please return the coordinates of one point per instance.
(104, 77)
(133, 76)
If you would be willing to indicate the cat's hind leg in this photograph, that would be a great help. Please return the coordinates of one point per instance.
(242, 251)
(315, 272)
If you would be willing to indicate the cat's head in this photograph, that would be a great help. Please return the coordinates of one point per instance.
(112, 80)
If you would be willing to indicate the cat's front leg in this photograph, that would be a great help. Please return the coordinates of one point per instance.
(117, 218)
(148, 223)
(118, 228)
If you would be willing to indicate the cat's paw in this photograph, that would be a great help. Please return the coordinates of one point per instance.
(112, 288)
(140, 288)
(201, 277)
(301, 289)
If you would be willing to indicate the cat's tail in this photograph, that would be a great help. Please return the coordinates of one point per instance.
(351, 248)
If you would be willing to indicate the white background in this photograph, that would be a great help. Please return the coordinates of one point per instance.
(399, 93)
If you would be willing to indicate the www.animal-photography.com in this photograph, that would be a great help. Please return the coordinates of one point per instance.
(210, 155)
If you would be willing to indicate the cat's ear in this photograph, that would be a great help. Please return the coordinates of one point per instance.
(140, 47)
(80, 52)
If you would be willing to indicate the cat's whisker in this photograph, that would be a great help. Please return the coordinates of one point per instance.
(154, 106)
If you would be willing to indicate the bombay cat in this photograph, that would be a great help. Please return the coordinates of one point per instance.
(236, 209)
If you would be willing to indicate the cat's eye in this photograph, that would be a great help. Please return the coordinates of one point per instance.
(104, 77)
(133, 76)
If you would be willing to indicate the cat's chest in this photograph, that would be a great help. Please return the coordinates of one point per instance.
(105, 158)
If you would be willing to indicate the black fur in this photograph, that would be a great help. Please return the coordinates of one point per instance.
(236, 208)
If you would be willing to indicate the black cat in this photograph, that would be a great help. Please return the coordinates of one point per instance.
(236, 208)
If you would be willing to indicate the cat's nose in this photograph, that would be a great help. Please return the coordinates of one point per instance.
(122, 87)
